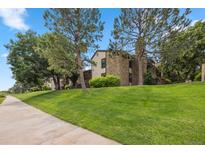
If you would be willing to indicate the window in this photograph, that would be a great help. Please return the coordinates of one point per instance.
(103, 63)
(103, 74)
(130, 64)
(130, 77)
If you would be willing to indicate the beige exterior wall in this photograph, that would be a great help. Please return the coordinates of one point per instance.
(203, 73)
(96, 69)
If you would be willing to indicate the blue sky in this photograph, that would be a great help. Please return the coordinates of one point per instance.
(15, 20)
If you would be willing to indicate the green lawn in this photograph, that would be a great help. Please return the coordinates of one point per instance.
(168, 114)
(2, 97)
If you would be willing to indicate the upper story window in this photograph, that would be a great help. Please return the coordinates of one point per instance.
(103, 63)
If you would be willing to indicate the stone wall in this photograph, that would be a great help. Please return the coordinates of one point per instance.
(118, 65)
(87, 77)
(135, 70)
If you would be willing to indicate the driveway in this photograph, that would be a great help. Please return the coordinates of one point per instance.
(23, 124)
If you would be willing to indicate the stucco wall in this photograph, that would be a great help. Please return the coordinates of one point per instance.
(96, 69)
(203, 73)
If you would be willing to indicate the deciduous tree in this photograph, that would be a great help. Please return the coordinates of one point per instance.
(27, 67)
(183, 55)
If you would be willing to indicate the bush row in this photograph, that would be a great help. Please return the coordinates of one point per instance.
(40, 89)
(107, 81)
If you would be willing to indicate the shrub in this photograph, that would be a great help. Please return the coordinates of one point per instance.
(67, 87)
(197, 77)
(33, 89)
(2, 95)
(167, 81)
(112, 81)
(107, 81)
(45, 87)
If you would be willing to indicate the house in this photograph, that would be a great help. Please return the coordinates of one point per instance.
(116, 63)
(87, 77)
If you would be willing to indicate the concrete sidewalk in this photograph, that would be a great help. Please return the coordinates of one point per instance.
(24, 124)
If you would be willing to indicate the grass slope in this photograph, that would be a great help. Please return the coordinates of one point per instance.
(2, 97)
(169, 114)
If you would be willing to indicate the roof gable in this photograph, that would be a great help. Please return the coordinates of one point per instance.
(97, 52)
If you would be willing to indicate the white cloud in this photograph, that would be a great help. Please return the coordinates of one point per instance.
(4, 55)
(195, 21)
(14, 18)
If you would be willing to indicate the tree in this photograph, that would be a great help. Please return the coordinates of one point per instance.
(143, 30)
(28, 68)
(58, 51)
(182, 56)
(82, 27)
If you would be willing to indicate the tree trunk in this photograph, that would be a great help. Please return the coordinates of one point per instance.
(66, 80)
(73, 78)
(80, 70)
(139, 58)
(140, 71)
(56, 81)
(79, 61)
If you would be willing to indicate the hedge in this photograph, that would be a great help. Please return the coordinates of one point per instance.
(107, 81)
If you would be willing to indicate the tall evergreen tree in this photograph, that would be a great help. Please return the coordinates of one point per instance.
(143, 30)
(82, 27)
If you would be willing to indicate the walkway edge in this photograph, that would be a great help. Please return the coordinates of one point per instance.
(22, 123)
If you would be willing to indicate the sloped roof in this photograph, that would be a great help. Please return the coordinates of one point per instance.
(97, 52)
(124, 53)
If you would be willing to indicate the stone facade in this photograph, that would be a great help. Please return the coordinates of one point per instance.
(87, 77)
(134, 69)
(117, 63)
